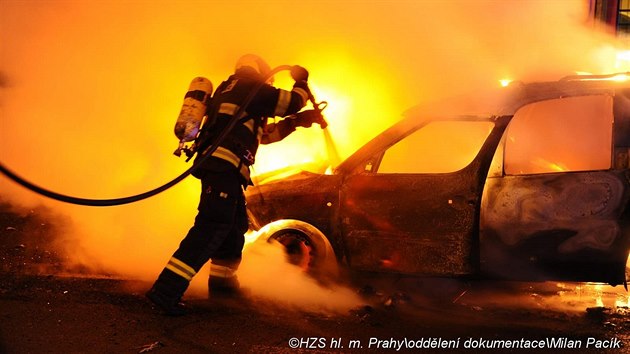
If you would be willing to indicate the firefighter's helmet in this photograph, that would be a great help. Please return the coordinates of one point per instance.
(253, 62)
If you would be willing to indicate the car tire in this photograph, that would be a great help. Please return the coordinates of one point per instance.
(305, 246)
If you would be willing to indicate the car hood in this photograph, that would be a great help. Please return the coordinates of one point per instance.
(293, 172)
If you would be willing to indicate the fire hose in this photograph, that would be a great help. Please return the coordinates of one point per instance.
(135, 198)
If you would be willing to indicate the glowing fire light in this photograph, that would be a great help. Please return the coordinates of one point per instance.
(505, 82)
(623, 301)
(594, 295)
(598, 295)
(556, 167)
(618, 78)
(623, 55)
(623, 60)
(548, 165)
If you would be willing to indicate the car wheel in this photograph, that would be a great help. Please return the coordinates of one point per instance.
(305, 247)
(299, 248)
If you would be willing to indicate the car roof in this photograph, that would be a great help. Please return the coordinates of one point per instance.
(487, 106)
(519, 94)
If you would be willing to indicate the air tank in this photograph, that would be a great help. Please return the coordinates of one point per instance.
(193, 110)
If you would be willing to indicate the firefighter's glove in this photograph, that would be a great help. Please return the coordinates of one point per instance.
(298, 73)
(307, 118)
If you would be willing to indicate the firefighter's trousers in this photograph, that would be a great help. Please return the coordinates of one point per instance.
(217, 234)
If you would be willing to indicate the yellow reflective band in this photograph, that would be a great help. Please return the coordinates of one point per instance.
(302, 92)
(180, 268)
(229, 156)
(178, 271)
(231, 109)
(228, 108)
(226, 155)
(221, 271)
(284, 98)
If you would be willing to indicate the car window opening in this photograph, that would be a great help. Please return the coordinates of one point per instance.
(438, 147)
(567, 134)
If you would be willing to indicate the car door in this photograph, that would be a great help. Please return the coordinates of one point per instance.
(554, 210)
(412, 205)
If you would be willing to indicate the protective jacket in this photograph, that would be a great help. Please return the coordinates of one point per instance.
(241, 144)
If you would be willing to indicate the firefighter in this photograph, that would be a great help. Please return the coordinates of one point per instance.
(221, 222)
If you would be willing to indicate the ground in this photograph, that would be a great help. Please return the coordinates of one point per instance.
(44, 310)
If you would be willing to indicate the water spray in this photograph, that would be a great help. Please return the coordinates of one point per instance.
(331, 148)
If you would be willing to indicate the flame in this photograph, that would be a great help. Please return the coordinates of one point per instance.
(598, 295)
(350, 104)
(556, 167)
(585, 295)
(623, 301)
(548, 165)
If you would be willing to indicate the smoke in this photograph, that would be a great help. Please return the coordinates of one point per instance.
(287, 284)
(266, 276)
(89, 91)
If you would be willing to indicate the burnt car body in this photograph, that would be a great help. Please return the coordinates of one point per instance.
(543, 195)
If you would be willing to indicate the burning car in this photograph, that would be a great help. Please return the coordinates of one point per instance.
(537, 188)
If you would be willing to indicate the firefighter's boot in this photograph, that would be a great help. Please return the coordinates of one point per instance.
(223, 287)
(223, 282)
(167, 293)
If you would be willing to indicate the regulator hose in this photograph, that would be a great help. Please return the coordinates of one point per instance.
(134, 198)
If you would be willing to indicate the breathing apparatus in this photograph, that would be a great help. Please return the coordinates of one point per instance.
(187, 128)
(192, 114)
